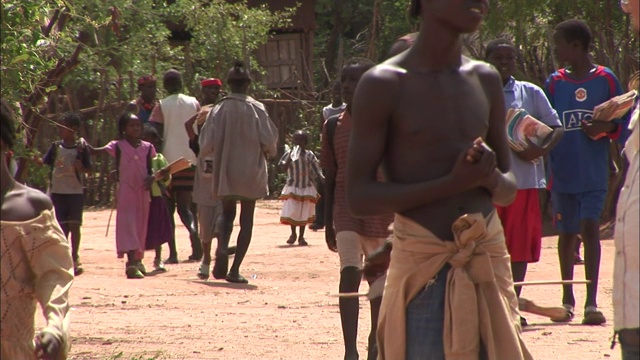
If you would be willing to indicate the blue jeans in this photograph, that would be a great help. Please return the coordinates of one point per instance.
(425, 320)
(629, 351)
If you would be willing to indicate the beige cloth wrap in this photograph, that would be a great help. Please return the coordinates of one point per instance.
(36, 268)
(480, 302)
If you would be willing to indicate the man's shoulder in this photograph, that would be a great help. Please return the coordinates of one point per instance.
(389, 70)
(38, 200)
(256, 104)
(480, 68)
(528, 86)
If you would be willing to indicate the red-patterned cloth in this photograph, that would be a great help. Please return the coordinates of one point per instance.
(372, 226)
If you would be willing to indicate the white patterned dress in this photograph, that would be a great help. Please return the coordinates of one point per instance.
(300, 194)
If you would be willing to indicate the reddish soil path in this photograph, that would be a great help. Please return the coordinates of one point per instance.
(284, 313)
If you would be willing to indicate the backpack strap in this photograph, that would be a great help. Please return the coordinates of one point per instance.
(331, 125)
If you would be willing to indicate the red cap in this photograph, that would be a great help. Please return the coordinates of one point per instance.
(147, 79)
(211, 82)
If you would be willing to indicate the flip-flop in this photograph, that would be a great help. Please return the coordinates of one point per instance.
(569, 314)
(593, 316)
(236, 278)
(292, 240)
(203, 271)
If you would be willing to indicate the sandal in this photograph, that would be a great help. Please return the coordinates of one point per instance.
(141, 267)
(593, 316)
(172, 260)
(568, 316)
(77, 268)
(302, 242)
(203, 271)
(159, 265)
(133, 272)
(292, 240)
(236, 278)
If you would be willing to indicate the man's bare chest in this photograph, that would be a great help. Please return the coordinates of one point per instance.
(440, 108)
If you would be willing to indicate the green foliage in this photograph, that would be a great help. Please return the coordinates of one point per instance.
(224, 32)
(528, 23)
(117, 41)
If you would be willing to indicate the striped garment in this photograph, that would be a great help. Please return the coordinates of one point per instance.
(300, 194)
(303, 171)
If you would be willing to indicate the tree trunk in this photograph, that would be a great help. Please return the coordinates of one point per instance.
(334, 36)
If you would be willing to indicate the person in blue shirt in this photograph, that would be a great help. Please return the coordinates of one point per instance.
(522, 220)
(579, 163)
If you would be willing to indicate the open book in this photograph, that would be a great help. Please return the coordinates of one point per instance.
(178, 165)
(521, 125)
(615, 107)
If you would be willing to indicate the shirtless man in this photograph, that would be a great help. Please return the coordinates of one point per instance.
(434, 119)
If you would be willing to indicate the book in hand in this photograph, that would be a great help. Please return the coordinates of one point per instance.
(614, 108)
(176, 166)
(522, 126)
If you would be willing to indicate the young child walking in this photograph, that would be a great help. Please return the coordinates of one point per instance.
(69, 159)
(133, 166)
(299, 193)
(36, 265)
(160, 229)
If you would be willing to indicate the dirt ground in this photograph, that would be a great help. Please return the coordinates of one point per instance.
(285, 312)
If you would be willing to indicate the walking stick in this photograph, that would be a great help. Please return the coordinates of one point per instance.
(522, 283)
(113, 206)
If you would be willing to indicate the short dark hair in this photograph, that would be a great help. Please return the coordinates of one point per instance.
(149, 130)
(493, 45)
(238, 74)
(575, 30)
(172, 81)
(303, 133)
(123, 120)
(72, 119)
(364, 63)
(7, 124)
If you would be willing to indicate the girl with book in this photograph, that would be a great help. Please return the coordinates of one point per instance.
(522, 220)
(133, 167)
(159, 230)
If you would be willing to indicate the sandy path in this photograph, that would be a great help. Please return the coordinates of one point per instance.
(284, 313)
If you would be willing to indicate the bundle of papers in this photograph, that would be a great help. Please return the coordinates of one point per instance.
(615, 107)
(176, 166)
(522, 126)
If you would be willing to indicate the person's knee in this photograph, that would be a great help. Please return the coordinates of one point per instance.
(350, 278)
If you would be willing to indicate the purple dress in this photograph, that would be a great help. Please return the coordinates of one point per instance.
(133, 199)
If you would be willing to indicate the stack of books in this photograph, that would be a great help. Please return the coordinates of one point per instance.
(176, 166)
(614, 108)
(522, 126)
